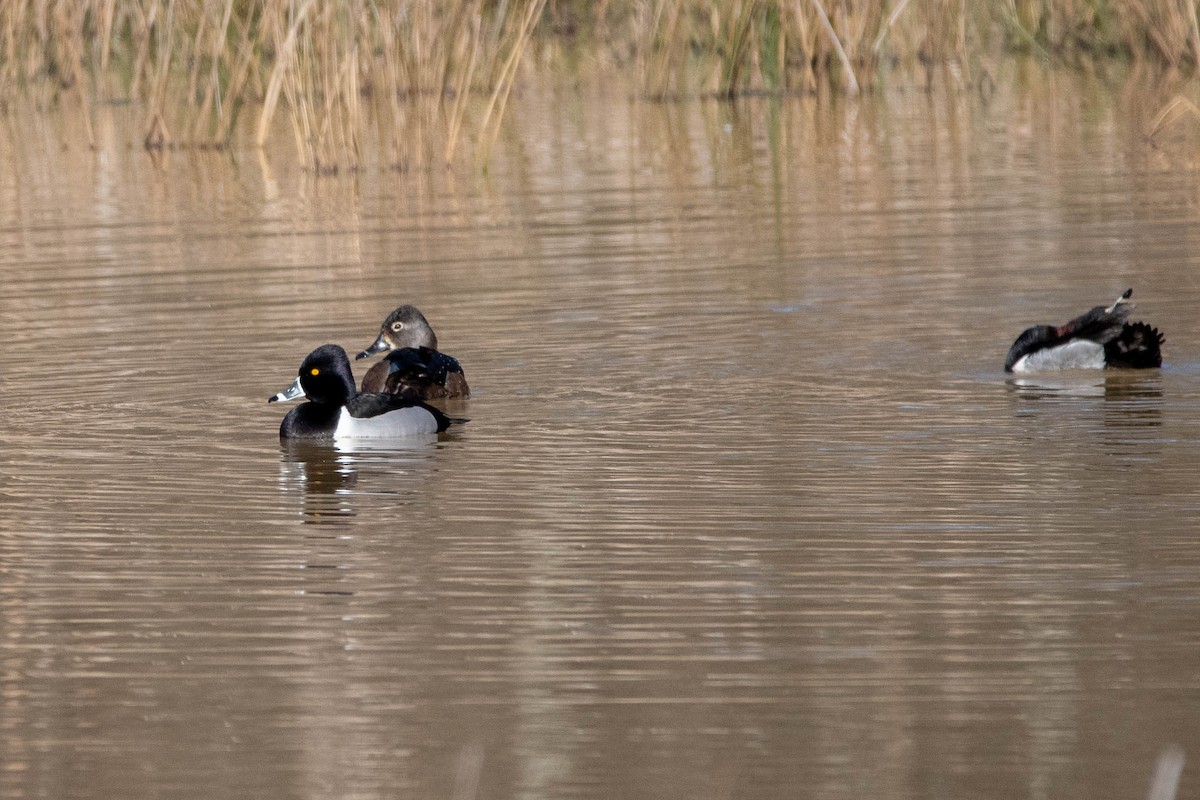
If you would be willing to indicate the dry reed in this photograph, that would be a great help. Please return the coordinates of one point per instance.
(433, 79)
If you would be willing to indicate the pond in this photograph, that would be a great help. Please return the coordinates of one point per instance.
(746, 506)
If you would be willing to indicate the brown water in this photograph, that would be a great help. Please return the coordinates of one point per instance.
(746, 507)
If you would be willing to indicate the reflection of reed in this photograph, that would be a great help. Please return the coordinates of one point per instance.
(425, 78)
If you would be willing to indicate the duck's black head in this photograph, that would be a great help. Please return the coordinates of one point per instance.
(324, 377)
(404, 327)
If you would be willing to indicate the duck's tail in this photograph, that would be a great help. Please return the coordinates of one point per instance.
(1138, 346)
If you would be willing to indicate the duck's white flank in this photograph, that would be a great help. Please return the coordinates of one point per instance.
(1075, 354)
(401, 422)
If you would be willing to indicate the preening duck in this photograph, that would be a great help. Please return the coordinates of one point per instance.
(1103, 337)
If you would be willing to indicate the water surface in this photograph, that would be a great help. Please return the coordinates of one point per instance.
(746, 506)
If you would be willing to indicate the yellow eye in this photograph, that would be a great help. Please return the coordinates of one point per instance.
(315, 371)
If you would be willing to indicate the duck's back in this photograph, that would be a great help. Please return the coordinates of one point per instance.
(417, 372)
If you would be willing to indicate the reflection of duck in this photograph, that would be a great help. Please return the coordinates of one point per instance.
(414, 367)
(323, 476)
(335, 410)
(1100, 338)
(1113, 386)
(1047, 386)
(1125, 405)
(317, 468)
(329, 476)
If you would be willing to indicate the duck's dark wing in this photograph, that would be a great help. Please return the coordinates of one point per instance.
(1138, 346)
(365, 405)
(1099, 325)
(438, 376)
(420, 372)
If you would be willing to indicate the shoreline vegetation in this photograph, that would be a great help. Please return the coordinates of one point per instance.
(434, 79)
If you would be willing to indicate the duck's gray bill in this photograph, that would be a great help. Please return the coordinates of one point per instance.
(378, 346)
(290, 393)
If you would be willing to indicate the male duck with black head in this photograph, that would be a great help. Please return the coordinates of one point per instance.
(413, 367)
(335, 410)
(1103, 337)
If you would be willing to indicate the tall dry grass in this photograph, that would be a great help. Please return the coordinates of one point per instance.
(737, 46)
(331, 70)
(432, 80)
(1165, 31)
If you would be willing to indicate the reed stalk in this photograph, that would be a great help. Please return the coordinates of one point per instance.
(469, 42)
(498, 99)
(851, 81)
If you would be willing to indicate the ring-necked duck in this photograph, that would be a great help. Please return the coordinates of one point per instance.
(414, 367)
(1100, 338)
(336, 411)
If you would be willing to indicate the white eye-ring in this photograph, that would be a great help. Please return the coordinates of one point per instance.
(397, 326)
